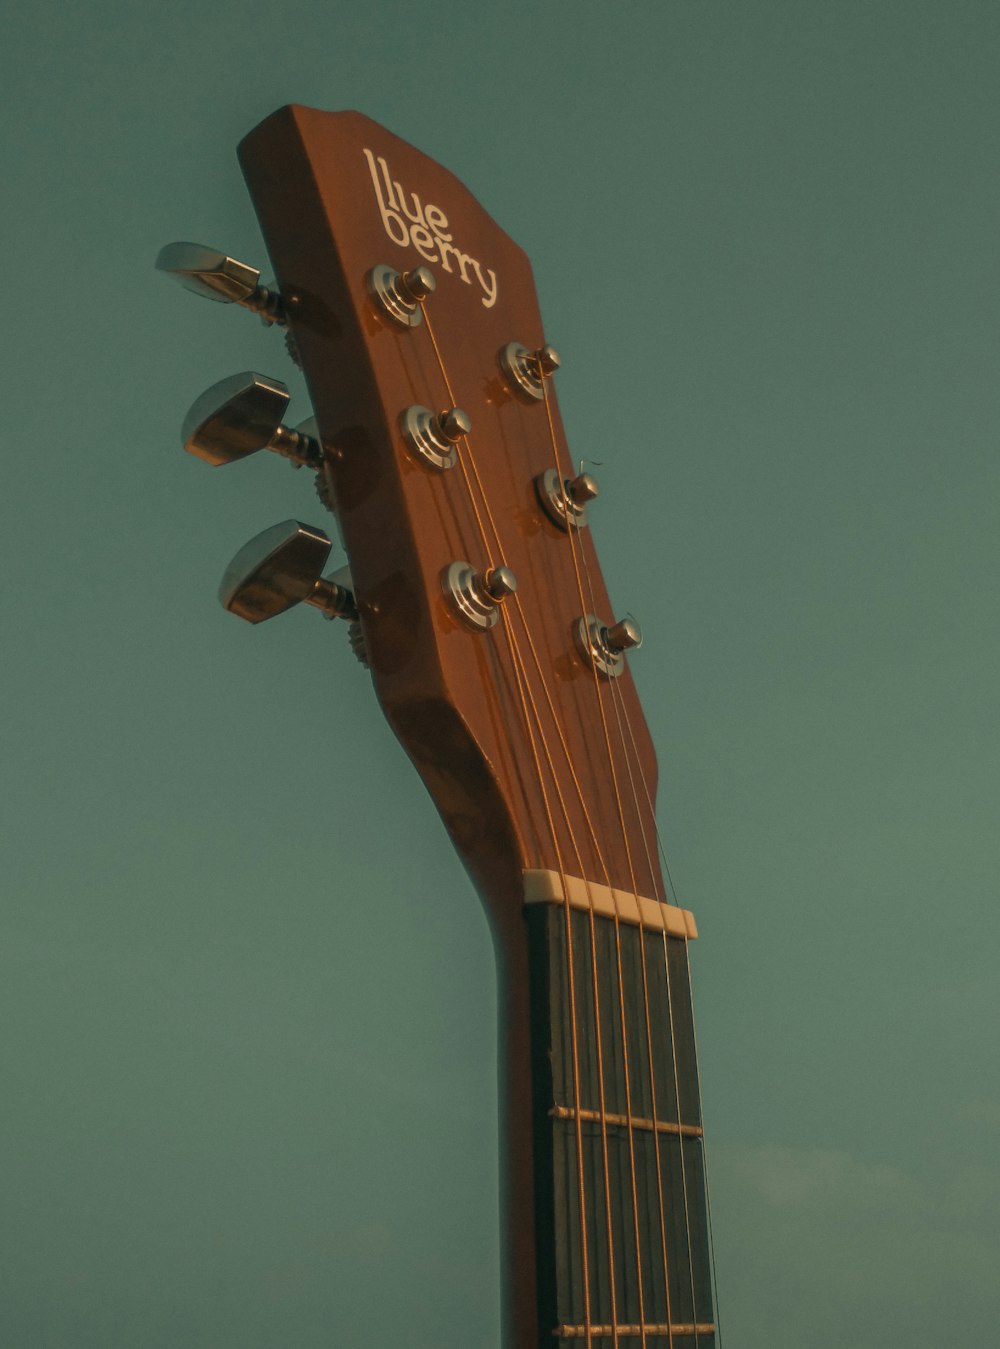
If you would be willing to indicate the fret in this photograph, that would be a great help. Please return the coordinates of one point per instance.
(657, 1328)
(621, 1121)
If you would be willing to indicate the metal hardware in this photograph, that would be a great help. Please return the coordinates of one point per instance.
(624, 635)
(499, 583)
(242, 414)
(565, 499)
(281, 567)
(478, 595)
(603, 647)
(216, 276)
(399, 295)
(292, 347)
(433, 436)
(661, 1329)
(324, 490)
(359, 646)
(635, 1121)
(526, 370)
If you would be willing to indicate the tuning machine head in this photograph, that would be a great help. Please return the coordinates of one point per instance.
(242, 414)
(217, 276)
(564, 500)
(526, 371)
(603, 645)
(399, 296)
(280, 568)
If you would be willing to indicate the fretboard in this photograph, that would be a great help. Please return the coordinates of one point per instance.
(622, 1237)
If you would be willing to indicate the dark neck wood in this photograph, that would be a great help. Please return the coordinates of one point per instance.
(641, 1231)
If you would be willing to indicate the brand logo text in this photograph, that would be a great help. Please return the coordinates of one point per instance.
(408, 221)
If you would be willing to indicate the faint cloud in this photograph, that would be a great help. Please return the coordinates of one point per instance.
(810, 1240)
(801, 1176)
(979, 1112)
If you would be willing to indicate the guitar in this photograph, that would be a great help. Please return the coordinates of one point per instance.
(474, 595)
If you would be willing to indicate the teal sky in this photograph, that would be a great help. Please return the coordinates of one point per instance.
(247, 994)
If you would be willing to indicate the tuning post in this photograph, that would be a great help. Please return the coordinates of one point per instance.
(526, 371)
(433, 436)
(399, 296)
(477, 596)
(603, 646)
(280, 568)
(564, 500)
(217, 276)
(242, 414)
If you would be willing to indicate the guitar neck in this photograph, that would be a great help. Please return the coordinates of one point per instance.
(606, 1124)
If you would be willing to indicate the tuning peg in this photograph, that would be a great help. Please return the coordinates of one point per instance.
(216, 276)
(400, 295)
(434, 436)
(603, 645)
(242, 414)
(623, 635)
(565, 499)
(477, 595)
(281, 567)
(526, 371)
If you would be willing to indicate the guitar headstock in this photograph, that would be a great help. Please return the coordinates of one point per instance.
(494, 649)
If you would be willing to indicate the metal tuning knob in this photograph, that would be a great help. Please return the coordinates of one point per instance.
(564, 500)
(477, 596)
(433, 436)
(603, 647)
(398, 296)
(526, 371)
(216, 276)
(242, 414)
(281, 567)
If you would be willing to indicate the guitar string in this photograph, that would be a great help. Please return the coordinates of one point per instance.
(604, 867)
(649, 1033)
(607, 876)
(585, 608)
(602, 1107)
(461, 458)
(621, 981)
(697, 1067)
(569, 948)
(704, 1159)
(512, 643)
(687, 952)
(618, 700)
(617, 694)
(523, 675)
(576, 783)
(584, 1262)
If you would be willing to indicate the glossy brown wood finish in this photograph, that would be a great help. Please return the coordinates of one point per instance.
(452, 694)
